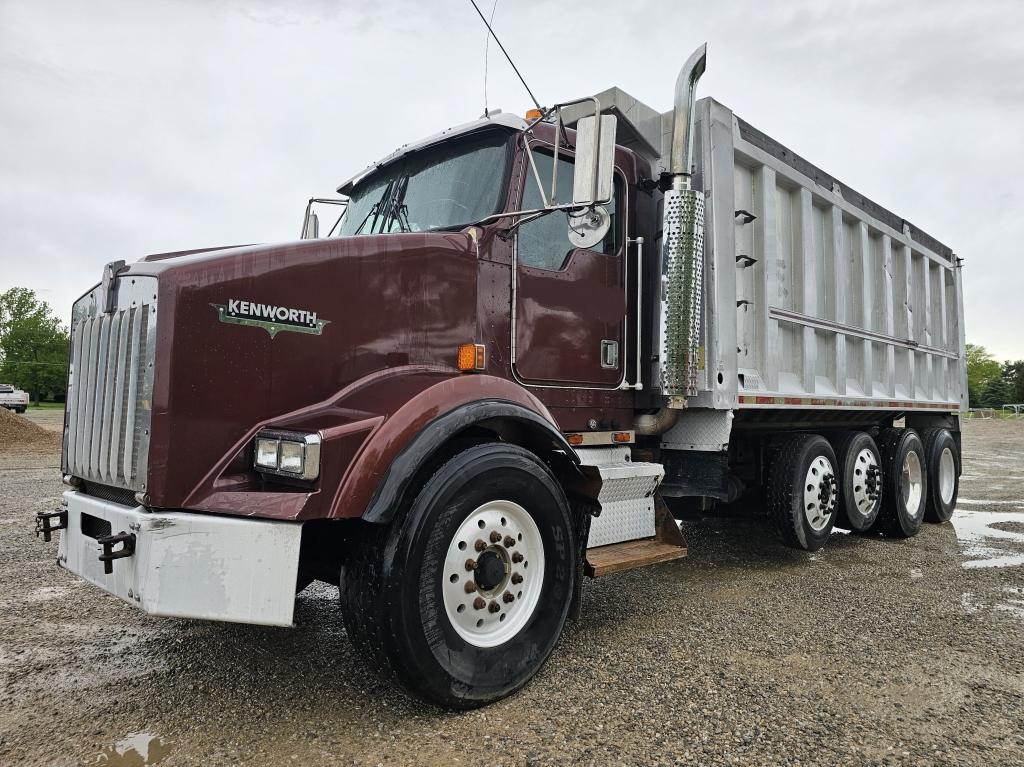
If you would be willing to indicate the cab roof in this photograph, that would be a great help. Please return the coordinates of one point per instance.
(497, 119)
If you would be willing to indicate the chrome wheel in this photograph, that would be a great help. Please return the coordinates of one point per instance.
(947, 475)
(819, 493)
(867, 487)
(493, 573)
(913, 483)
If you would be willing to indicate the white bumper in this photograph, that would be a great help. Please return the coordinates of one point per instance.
(188, 565)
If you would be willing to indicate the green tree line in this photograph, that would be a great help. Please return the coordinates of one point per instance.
(991, 383)
(33, 345)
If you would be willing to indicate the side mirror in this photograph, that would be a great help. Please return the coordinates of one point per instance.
(593, 174)
(311, 225)
(595, 160)
(592, 180)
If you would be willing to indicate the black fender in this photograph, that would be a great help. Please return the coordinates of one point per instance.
(513, 423)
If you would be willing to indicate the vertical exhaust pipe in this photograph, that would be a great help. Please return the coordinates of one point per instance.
(683, 256)
(681, 159)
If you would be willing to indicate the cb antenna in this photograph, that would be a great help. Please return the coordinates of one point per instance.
(514, 68)
(487, 50)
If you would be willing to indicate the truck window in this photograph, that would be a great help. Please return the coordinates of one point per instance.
(543, 243)
(448, 186)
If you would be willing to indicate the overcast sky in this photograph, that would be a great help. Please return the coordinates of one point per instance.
(129, 128)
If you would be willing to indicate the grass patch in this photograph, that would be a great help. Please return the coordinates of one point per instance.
(47, 406)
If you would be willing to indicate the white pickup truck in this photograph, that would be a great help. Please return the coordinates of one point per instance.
(13, 399)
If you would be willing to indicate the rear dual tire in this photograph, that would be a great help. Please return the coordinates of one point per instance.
(942, 456)
(904, 483)
(860, 480)
(801, 487)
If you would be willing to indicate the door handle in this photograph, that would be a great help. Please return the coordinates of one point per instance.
(609, 354)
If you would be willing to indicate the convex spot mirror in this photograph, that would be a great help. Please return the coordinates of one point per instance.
(589, 226)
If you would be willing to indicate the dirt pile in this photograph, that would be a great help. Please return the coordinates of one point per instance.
(17, 432)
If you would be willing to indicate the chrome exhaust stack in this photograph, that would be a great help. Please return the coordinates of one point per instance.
(683, 255)
(681, 158)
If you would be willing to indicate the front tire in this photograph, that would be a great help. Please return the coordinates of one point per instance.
(801, 490)
(904, 483)
(462, 598)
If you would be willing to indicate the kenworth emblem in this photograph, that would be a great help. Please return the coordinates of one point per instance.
(273, 319)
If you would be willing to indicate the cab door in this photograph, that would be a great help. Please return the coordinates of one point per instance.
(570, 303)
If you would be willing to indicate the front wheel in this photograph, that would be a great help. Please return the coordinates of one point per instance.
(463, 596)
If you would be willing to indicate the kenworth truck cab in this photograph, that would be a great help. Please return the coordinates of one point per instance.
(527, 346)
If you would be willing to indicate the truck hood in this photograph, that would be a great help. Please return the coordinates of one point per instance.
(249, 336)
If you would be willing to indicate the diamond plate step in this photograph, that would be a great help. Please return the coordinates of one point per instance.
(624, 489)
(667, 544)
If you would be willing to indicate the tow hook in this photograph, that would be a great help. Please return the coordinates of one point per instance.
(45, 523)
(127, 541)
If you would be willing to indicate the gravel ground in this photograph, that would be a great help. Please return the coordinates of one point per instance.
(50, 419)
(867, 652)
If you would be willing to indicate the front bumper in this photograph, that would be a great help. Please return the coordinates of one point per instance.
(184, 564)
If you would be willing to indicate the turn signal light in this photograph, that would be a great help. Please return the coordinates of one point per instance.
(621, 436)
(534, 114)
(472, 357)
(574, 439)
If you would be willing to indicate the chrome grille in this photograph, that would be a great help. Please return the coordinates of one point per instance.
(110, 385)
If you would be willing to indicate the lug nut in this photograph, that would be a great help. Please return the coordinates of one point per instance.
(509, 541)
(517, 557)
(493, 607)
(480, 545)
(470, 587)
(479, 603)
(495, 536)
(470, 565)
(508, 597)
(517, 578)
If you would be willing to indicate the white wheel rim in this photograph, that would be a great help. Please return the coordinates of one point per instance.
(493, 573)
(947, 476)
(913, 483)
(866, 482)
(819, 493)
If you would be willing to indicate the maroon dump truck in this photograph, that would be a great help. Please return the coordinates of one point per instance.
(527, 347)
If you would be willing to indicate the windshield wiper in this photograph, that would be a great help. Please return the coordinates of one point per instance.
(399, 210)
(376, 209)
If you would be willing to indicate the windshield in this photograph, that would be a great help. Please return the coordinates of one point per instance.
(445, 187)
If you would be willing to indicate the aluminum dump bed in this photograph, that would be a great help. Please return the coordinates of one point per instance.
(814, 296)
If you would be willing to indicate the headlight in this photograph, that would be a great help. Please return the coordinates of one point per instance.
(293, 456)
(288, 454)
(266, 453)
